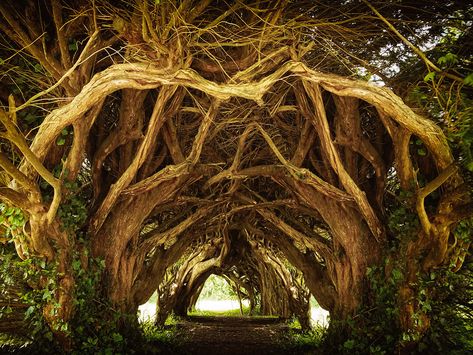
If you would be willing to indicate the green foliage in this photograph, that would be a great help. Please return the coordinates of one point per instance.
(451, 307)
(217, 288)
(73, 45)
(30, 117)
(374, 329)
(469, 79)
(448, 59)
(430, 76)
(9, 341)
(161, 339)
(61, 140)
(41, 275)
(445, 296)
(305, 341)
(95, 324)
(461, 137)
(403, 223)
(73, 211)
(165, 335)
(463, 230)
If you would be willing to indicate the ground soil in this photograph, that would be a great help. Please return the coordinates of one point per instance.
(234, 335)
(199, 335)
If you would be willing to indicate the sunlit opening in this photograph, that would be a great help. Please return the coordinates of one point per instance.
(318, 315)
(147, 311)
(217, 296)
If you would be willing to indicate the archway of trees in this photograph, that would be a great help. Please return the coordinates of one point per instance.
(173, 140)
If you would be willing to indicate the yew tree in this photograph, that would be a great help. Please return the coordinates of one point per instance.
(178, 139)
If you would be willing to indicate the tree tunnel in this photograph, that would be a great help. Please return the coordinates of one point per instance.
(214, 137)
(260, 273)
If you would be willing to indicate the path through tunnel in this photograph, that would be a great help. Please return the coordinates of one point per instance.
(258, 283)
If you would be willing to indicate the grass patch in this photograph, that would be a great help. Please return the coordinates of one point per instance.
(300, 341)
(228, 313)
(162, 340)
(224, 313)
(152, 333)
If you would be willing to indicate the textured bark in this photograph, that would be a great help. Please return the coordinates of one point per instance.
(201, 149)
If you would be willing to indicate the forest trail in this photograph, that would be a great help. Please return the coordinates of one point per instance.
(233, 335)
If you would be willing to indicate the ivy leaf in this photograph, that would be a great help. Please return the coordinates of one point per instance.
(29, 311)
(47, 295)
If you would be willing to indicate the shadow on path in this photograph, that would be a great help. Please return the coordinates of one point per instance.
(233, 335)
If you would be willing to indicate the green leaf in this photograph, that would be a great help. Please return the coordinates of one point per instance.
(73, 46)
(30, 118)
(429, 77)
(349, 344)
(61, 141)
(38, 68)
(117, 338)
(469, 79)
(76, 265)
(29, 311)
(469, 166)
(422, 152)
(47, 295)
(448, 58)
(397, 275)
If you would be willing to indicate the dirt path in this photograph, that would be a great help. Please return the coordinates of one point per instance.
(232, 335)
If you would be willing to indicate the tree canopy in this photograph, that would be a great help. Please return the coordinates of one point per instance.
(294, 147)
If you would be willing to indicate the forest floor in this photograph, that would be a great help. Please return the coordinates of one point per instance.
(234, 335)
